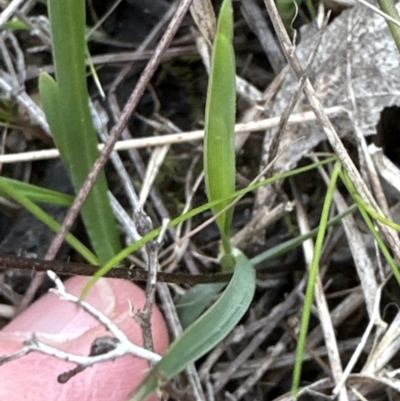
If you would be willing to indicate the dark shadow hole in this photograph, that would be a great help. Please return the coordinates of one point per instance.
(388, 133)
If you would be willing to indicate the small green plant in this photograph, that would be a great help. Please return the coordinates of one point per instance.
(219, 166)
(66, 104)
(219, 146)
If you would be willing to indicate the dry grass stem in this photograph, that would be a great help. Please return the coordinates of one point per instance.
(172, 138)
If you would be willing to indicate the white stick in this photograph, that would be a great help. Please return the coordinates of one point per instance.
(174, 138)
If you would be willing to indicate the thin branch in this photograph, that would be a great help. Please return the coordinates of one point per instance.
(183, 137)
(131, 273)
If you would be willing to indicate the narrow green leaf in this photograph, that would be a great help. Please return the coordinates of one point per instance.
(16, 25)
(12, 192)
(210, 329)
(219, 148)
(50, 98)
(312, 279)
(38, 194)
(66, 104)
(388, 7)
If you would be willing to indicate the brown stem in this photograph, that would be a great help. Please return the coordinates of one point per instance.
(131, 273)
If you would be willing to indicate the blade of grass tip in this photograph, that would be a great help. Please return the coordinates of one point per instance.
(371, 226)
(117, 259)
(93, 71)
(72, 124)
(50, 98)
(210, 329)
(219, 148)
(313, 274)
(219, 154)
(47, 219)
(389, 8)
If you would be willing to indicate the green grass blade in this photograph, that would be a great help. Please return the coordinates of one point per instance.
(66, 104)
(312, 279)
(196, 300)
(16, 24)
(388, 6)
(14, 193)
(219, 148)
(38, 194)
(50, 97)
(210, 329)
